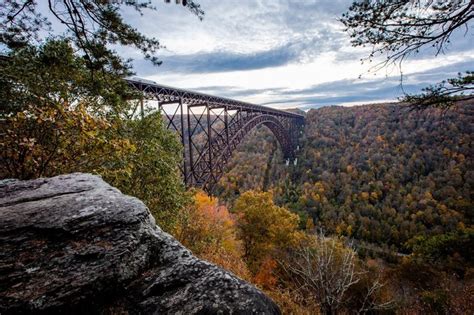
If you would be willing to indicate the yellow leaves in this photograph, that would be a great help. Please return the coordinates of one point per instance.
(446, 152)
(428, 195)
(264, 227)
(21, 115)
(209, 230)
(47, 140)
(316, 197)
(208, 227)
(374, 196)
(344, 229)
(460, 158)
(319, 187)
(349, 230)
(229, 261)
(315, 191)
(309, 226)
(364, 196)
(202, 200)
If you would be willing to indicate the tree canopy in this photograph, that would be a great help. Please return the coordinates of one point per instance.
(264, 226)
(54, 120)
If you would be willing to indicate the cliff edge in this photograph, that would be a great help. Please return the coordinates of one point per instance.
(74, 244)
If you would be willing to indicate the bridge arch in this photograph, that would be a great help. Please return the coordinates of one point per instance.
(224, 153)
(211, 127)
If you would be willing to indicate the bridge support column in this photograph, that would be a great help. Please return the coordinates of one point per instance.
(183, 142)
(209, 141)
(191, 179)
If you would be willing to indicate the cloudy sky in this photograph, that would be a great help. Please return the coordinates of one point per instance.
(281, 53)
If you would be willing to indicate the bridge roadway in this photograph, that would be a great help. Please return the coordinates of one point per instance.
(211, 127)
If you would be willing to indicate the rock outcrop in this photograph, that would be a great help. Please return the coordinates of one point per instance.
(74, 244)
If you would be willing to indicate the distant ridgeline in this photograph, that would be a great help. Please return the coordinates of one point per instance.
(378, 173)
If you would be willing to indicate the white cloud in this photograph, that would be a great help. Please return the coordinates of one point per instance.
(267, 47)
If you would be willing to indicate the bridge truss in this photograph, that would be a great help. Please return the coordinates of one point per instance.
(211, 127)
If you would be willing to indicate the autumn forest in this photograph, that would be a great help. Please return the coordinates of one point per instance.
(375, 214)
(393, 183)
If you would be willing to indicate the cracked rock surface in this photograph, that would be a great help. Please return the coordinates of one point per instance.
(73, 244)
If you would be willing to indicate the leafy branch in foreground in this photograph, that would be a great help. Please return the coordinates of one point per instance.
(445, 93)
(93, 25)
(400, 28)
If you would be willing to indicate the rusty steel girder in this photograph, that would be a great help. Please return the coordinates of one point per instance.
(211, 127)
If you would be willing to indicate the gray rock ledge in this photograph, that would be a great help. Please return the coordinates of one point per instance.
(73, 244)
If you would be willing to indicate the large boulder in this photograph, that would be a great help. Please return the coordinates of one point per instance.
(74, 244)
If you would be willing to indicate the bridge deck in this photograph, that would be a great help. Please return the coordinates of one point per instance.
(170, 94)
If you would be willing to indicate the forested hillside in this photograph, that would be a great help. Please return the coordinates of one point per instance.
(393, 183)
(378, 173)
(376, 216)
(257, 163)
(385, 174)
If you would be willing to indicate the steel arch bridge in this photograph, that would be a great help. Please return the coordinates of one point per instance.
(211, 127)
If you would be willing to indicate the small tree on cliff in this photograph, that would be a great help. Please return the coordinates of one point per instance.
(326, 270)
(264, 228)
(54, 120)
(402, 28)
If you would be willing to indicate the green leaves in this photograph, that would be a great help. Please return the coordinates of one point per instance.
(443, 248)
(153, 175)
(52, 73)
(56, 120)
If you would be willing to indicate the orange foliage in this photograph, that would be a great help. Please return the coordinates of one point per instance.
(265, 276)
(209, 231)
(291, 302)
